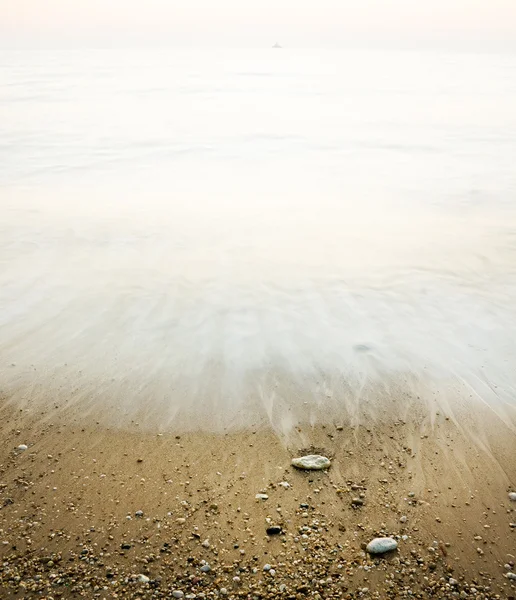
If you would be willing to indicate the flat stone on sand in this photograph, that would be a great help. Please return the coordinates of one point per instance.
(512, 496)
(381, 545)
(312, 462)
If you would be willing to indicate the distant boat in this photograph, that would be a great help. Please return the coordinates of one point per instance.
(276, 45)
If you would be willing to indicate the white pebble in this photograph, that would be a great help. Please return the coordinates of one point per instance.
(381, 545)
(22, 447)
(512, 495)
(312, 462)
(177, 594)
(143, 579)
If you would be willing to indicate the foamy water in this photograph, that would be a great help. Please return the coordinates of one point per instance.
(223, 237)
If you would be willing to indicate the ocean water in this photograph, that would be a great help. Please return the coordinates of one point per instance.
(224, 237)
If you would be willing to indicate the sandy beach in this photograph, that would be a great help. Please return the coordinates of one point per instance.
(103, 512)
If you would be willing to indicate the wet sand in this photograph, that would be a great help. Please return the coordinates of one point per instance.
(70, 524)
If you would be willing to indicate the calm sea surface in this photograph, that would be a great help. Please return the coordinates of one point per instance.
(239, 235)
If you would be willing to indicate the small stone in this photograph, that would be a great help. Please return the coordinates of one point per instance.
(262, 497)
(512, 495)
(177, 594)
(125, 546)
(357, 502)
(284, 484)
(143, 579)
(206, 544)
(381, 545)
(511, 576)
(138, 513)
(206, 568)
(312, 462)
(274, 530)
(22, 447)
(403, 519)
(267, 567)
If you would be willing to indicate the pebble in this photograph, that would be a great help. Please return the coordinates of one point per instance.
(311, 462)
(512, 495)
(262, 497)
(206, 568)
(381, 545)
(274, 530)
(177, 594)
(511, 576)
(138, 513)
(22, 447)
(143, 579)
(267, 567)
(403, 519)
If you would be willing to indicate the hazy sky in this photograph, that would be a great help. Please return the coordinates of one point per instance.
(259, 22)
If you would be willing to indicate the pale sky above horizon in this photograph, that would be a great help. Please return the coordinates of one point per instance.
(245, 22)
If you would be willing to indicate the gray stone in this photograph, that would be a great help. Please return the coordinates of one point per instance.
(143, 579)
(512, 496)
(381, 545)
(262, 497)
(312, 462)
(206, 568)
(22, 448)
(177, 594)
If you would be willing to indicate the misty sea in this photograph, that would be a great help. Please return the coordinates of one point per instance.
(244, 235)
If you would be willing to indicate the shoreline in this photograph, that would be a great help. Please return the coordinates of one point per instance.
(66, 501)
